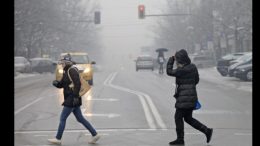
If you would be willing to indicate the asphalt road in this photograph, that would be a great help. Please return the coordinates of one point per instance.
(130, 108)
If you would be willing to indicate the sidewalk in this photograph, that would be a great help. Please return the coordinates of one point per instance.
(212, 75)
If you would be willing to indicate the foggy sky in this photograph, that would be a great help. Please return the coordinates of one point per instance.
(122, 31)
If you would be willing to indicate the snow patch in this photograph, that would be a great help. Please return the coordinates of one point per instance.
(24, 75)
(212, 75)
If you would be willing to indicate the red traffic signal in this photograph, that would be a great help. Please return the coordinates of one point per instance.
(141, 11)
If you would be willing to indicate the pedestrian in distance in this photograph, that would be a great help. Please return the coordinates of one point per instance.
(72, 100)
(160, 61)
(187, 77)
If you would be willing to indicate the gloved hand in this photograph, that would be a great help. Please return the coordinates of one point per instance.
(55, 83)
(171, 60)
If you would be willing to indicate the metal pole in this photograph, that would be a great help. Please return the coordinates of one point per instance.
(167, 15)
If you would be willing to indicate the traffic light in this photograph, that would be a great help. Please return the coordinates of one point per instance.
(97, 17)
(141, 11)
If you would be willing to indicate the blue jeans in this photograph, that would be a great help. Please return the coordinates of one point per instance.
(77, 113)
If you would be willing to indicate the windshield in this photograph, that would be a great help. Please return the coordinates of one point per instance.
(227, 57)
(232, 56)
(80, 59)
(245, 58)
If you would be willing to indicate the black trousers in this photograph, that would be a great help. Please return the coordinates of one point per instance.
(186, 114)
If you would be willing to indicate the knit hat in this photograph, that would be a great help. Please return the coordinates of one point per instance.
(67, 59)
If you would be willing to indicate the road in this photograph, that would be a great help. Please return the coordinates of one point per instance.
(130, 108)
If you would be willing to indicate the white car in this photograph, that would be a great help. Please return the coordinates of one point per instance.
(144, 62)
(21, 64)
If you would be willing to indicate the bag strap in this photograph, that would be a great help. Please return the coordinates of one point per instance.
(69, 73)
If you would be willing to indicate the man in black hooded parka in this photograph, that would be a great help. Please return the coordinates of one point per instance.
(187, 78)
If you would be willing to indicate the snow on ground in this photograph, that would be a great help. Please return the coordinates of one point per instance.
(212, 75)
(26, 75)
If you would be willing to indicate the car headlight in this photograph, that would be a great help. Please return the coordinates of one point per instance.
(242, 70)
(87, 70)
(61, 71)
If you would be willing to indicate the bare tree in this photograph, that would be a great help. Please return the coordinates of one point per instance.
(213, 20)
(52, 26)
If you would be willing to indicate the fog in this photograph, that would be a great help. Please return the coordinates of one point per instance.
(213, 28)
(132, 98)
(123, 34)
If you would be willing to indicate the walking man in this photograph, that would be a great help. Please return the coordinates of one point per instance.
(72, 100)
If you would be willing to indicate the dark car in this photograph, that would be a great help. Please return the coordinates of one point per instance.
(224, 62)
(244, 72)
(246, 59)
(41, 65)
(144, 62)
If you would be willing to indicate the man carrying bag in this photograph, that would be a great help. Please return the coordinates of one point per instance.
(71, 85)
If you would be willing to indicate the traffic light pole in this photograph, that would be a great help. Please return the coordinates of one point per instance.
(167, 15)
(142, 15)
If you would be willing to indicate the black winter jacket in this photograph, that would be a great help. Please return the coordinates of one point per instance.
(186, 79)
(69, 94)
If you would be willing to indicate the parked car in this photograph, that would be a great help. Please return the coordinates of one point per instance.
(21, 64)
(202, 61)
(224, 62)
(244, 72)
(240, 58)
(82, 62)
(144, 62)
(42, 65)
(246, 59)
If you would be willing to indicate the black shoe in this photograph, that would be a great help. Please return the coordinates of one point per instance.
(177, 142)
(209, 134)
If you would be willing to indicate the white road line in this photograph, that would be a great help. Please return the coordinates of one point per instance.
(112, 115)
(148, 116)
(29, 104)
(144, 104)
(194, 133)
(150, 103)
(99, 134)
(155, 112)
(243, 134)
(40, 135)
(83, 130)
(221, 112)
(147, 112)
(108, 78)
(24, 107)
(47, 131)
(103, 99)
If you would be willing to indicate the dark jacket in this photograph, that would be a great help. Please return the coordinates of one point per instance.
(187, 78)
(69, 94)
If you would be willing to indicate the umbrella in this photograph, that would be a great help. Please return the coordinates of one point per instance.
(161, 50)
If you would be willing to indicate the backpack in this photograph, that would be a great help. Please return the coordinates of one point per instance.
(84, 88)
